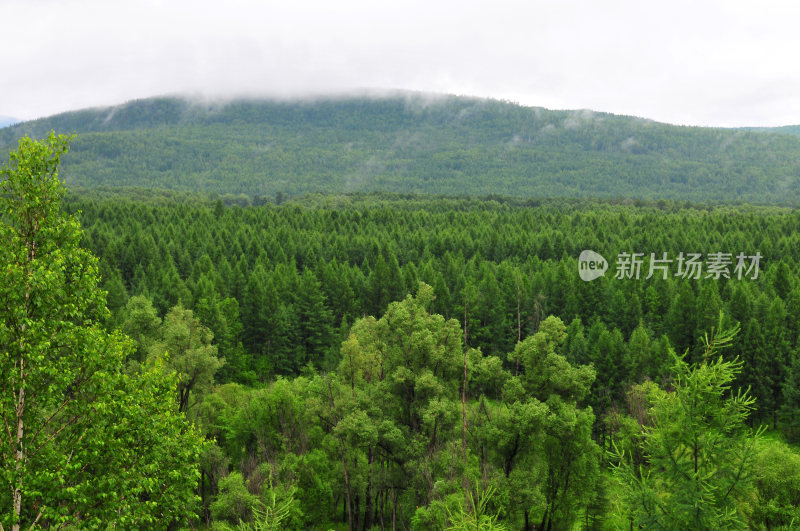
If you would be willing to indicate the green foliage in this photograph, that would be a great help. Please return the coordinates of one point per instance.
(791, 395)
(691, 462)
(393, 415)
(258, 257)
(371, 434)
(84, 443)
(546, 372)
(250, 150)
(774, 503)
(141, 324)
(186, 346)
(502, 265)
(538, 439)
(475, 514)
(235, 503)
(277, 512)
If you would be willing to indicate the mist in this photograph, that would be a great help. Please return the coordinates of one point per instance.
(725, 64)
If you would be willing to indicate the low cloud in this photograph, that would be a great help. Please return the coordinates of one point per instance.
(722, 64)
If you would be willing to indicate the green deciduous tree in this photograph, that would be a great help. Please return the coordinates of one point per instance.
(774, 503)
(81, 443)
(235, 502)
(189, 352)
(564, 448)
(141, 323)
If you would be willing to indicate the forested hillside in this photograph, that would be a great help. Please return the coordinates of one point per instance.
(415, 143)
(786, 129)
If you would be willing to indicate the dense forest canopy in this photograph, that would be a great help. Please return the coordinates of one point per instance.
(415, 143)
(388, 358)
(287, 291)
(329, 260)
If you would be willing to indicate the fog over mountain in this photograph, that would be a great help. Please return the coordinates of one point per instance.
(410, 142)
(7, 120)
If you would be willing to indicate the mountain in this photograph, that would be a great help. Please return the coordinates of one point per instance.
(786, 129)
(6, 121)
(415, 143)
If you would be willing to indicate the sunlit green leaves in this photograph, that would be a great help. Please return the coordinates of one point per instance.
(91, 446)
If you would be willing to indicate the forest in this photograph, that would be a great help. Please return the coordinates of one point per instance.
(397, 361)
(415, 143)
(287, 294)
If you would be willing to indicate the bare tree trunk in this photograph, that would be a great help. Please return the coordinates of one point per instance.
(368, 509)
(20, 455)
(465, 322)
(402, 518)
(464, 413)
(519, 325)
(356, 509)
(344, 467)
(382, 508)
(394, 511)
(519, 312)
(347, 489)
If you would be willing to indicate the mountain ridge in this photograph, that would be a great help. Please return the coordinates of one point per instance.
(6, 121)
(418, 143)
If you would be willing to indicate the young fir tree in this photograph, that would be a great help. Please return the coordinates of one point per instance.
(697, 450)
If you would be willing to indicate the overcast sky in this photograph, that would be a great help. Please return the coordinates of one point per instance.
(720, 63)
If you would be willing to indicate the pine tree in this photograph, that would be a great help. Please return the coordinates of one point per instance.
(698, 450)
(315, 330)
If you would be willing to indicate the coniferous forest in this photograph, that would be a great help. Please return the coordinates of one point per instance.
(375, 360)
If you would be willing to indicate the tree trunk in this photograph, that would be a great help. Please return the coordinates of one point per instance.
(394, 511)
(350, 525)
(20, 454)
(545, 525)
(203, 494)
(382, 495)
(347, 489)
(465, 322)
(368, 494)
(519, 312)
(356, 510)
(464, 412)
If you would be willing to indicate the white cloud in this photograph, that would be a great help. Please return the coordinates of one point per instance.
(702, 62)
